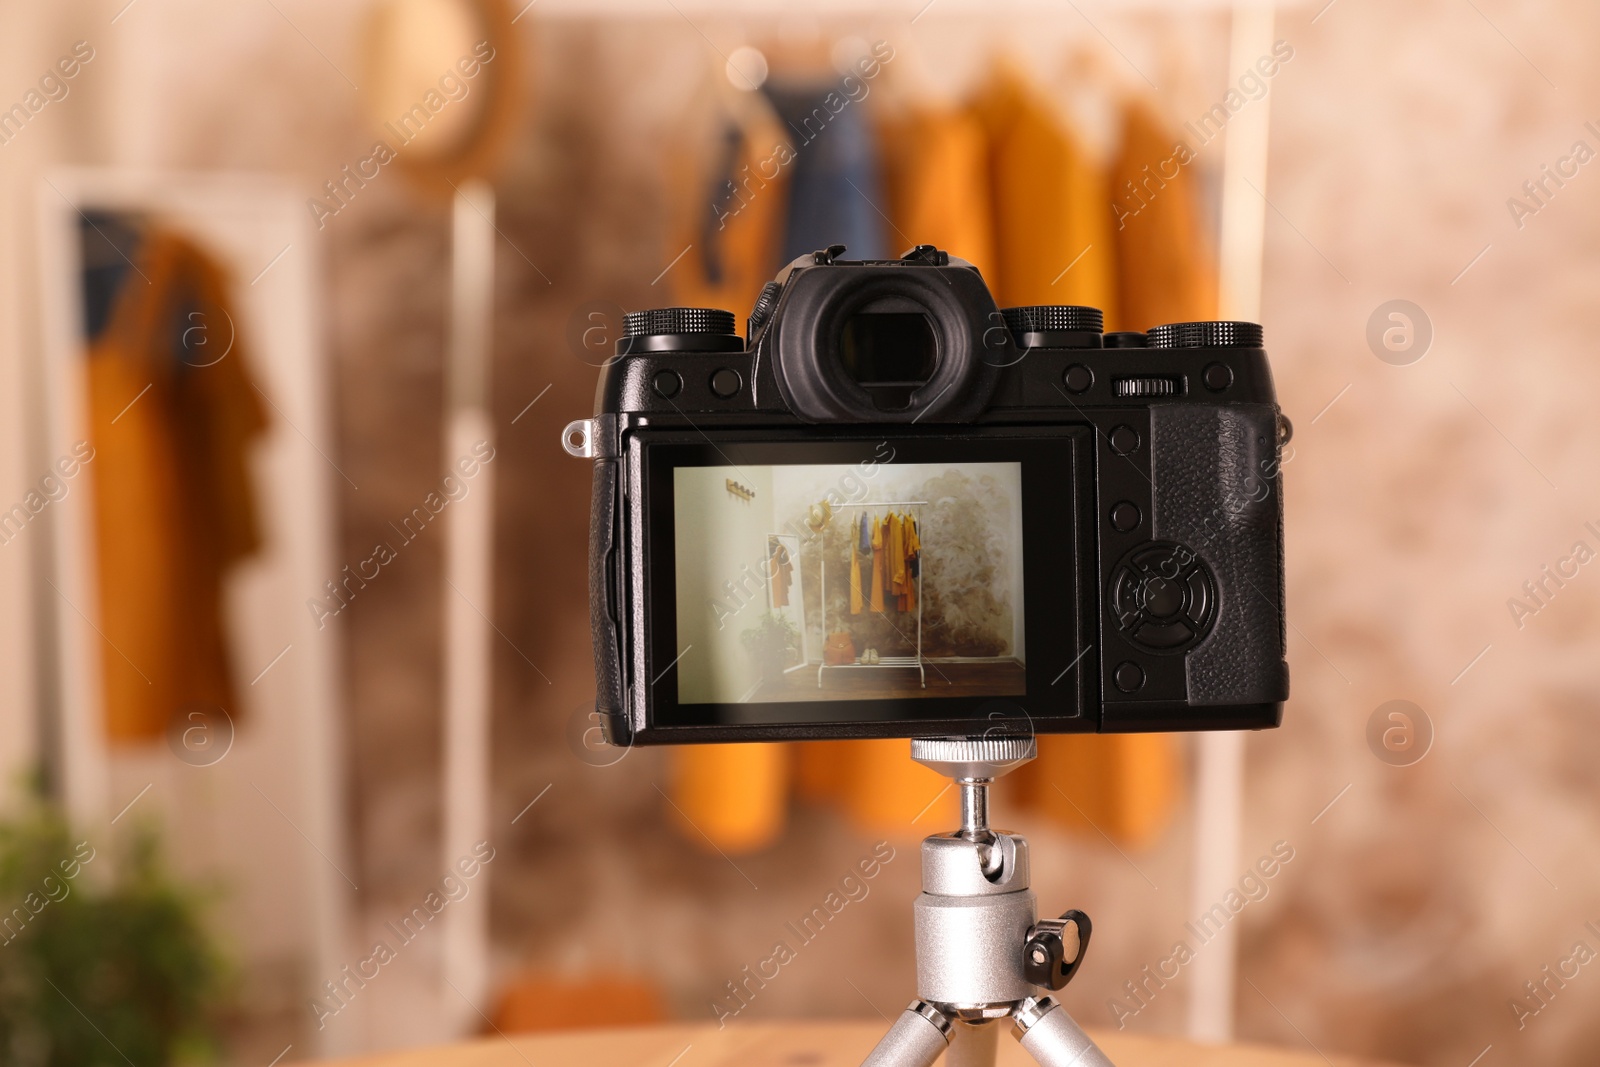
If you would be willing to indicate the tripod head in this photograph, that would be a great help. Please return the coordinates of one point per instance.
(974, 763)
(981, 953)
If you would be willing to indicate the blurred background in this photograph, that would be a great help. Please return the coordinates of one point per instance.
(295, 299)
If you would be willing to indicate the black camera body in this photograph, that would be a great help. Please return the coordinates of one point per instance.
(1048, 528)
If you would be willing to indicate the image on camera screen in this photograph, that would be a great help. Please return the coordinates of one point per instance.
(840, 582)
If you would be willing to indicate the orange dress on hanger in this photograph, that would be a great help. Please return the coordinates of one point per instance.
(172, 413)
(1052, 219)
(936, 172)
(1165, 267)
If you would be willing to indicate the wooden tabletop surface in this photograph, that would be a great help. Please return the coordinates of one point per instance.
(800, 1045)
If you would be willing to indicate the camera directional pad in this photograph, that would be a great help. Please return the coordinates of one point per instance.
(1164, 596)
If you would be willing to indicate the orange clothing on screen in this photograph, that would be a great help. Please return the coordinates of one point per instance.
(896, 578)
(855, 574)
(913, 550)
(880, 555)
(172, 412)
(1052, 225)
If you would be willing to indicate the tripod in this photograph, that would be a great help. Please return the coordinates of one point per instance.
(980, 952)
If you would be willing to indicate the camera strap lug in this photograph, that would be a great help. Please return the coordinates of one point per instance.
(579, 438)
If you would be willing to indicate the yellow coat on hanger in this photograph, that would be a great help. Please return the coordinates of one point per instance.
(1052, 223)
(1165, 270)
(936, 171)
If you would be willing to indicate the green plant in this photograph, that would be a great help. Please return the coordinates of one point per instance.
(104, 960)
(769, 641)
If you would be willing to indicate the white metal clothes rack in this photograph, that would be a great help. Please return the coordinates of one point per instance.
(887, 661)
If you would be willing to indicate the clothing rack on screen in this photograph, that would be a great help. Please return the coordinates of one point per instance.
(901, 662)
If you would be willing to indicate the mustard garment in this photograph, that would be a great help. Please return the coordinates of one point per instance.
(855, 575)
(936, 175)
(1165, 268)
(731, 797)
(171, 419)
(897, 559)
(880, 555)
(913, 549)
(733, 207)
(1052, 223)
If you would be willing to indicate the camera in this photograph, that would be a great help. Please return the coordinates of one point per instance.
(896, 510)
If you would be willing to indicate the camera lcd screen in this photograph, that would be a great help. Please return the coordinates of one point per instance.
(786, 596)
(893, 581)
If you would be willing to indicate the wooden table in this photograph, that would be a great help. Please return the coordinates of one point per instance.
(818, 1044)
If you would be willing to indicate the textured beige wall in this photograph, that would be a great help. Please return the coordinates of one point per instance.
(1414, 907)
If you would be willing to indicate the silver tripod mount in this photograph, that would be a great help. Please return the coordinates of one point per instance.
(982, 953)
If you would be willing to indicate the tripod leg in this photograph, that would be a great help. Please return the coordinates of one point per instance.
(973, 1046)
(1053, 1039)
(917, 1039)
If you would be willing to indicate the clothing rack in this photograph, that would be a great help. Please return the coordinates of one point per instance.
(887, 661)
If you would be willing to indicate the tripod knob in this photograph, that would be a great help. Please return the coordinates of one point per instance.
(1055, 949)
(972, 757)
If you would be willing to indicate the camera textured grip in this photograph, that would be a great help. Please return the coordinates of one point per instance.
(602, 541)
(1217, 490)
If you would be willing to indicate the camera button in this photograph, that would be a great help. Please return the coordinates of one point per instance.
(1217, 377)
(1124, 440)
(667, 383)
(726, 381)
(1162, 598)
(1125, 515)
(1128, 676)
(1078, 378)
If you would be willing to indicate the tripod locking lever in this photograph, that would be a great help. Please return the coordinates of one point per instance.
(1055, 949)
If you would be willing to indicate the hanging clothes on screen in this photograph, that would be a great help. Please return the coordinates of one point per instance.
(780, 572)
(911, 555)
(880, 556)
(173, 410)
(860, 563)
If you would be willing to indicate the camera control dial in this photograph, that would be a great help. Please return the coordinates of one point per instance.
(1219, 333)
(678, 329)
